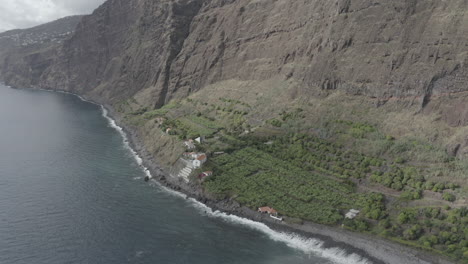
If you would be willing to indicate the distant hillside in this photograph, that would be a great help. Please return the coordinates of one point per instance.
(29, 51)
(53, 32)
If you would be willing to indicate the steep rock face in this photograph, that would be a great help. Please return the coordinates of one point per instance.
(157, 50)
(378, 48)
(29, 62)
(123, 47)
(26, 53)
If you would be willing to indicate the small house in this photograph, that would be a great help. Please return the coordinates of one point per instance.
(272, 212)
(352, 214)
(267, 210)
(199, 161)
(200, 139)
(205, 174)
(190, 155)
(189, 144)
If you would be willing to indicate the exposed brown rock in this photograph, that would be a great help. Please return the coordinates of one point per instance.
(158, 50)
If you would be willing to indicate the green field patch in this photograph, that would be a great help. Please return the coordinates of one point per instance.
(205, 122)
(161, 111)
(258, 179)
(193, 127)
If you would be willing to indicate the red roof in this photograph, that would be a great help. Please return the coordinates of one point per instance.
(267, 209)
(201, 157)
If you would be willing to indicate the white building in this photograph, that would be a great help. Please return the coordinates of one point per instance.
(199, 161)
(352, 214)
(189, 144)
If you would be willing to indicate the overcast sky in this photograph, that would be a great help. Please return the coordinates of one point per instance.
(28, 13)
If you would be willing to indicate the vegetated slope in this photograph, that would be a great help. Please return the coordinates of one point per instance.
(311, 162)
(369, 92)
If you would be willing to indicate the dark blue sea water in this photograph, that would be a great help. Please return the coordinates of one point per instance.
(72, 192)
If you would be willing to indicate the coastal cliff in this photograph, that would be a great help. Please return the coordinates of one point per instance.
(158, 50)
(371, 93)
(26, 53)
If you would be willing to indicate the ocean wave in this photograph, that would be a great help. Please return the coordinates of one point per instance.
(306, 245)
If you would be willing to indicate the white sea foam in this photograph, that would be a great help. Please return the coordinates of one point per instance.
(306, 245)
(126, 142)
(168, 190)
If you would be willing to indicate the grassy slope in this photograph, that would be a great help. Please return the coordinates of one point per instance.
(315, 158)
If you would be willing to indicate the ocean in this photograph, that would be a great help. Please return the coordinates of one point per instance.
(72, 191)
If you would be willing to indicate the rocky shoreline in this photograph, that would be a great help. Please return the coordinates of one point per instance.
(375, 249)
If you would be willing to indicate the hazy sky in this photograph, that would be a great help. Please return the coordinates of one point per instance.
(28, 13)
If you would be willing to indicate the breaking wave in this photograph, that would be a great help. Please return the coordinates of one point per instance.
(126, 142)
(306, 245)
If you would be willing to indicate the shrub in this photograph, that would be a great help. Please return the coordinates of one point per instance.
(400, 160)
(449, 197)
(385, 223)
(276, 123)
(358, 225)
(439, 187)
(413, 233)
(411, 195)
(406, 216)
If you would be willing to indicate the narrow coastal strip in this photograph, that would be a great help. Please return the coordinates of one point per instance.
(306, 245)
(302, 237)
(329, 242)
(371, 249)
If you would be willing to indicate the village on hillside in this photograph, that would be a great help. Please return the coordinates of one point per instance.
(193, 160)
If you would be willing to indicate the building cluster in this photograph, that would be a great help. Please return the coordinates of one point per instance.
(198, 159)
(22, 39)
(193, 159)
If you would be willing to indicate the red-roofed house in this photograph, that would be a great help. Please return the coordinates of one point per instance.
(205, 174)
(199, 160)
(272, 212)
(268, 210)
